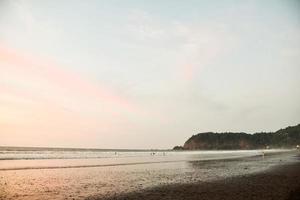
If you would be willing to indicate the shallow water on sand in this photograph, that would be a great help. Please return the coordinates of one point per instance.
(79, 178)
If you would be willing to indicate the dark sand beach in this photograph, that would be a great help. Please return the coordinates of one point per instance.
(190, 175)
(276, 183)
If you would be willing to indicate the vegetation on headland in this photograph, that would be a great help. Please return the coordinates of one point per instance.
(284, 138)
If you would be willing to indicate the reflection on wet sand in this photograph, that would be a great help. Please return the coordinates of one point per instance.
(80, 183)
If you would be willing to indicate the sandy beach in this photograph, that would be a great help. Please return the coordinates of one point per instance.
(280, 182)
(187, 175)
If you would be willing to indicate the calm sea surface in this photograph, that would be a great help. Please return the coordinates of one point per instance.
(26, 158)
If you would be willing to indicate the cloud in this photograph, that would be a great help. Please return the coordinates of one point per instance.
(144, 26)
(40, 97)
(53, 75)
(195, 45)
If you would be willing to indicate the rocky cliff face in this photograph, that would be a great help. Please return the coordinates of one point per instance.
(283, 138)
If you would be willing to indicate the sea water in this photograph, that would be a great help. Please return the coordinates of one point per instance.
(27, 157)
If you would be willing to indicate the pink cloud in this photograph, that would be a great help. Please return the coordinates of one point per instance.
(34, 68)
(40, 99)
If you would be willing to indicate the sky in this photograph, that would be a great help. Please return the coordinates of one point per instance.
(145, 74)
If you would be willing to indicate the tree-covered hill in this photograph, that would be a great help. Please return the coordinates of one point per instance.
(283, 138)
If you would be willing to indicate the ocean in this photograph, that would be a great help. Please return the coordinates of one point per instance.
(30, 157)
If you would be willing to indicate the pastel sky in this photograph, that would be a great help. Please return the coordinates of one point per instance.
(145, 74)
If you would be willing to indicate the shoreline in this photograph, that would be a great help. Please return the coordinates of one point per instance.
(207, 160)
(278, 182)
(192, 179)
(39, 163)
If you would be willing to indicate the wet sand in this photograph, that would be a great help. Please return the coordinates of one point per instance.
(277, 183)
(274, 176)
